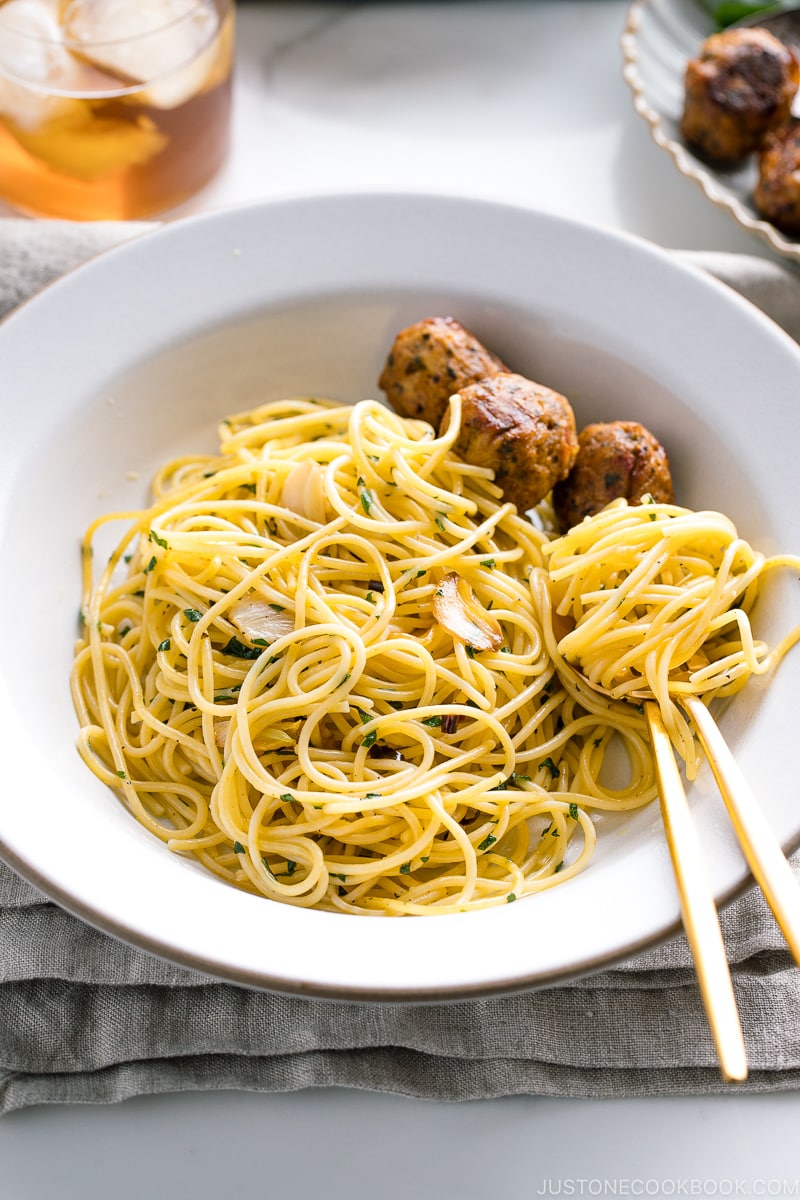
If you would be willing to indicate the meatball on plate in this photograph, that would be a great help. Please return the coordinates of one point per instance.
(714, 100)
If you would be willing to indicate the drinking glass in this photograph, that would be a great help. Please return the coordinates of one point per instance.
(112, 108)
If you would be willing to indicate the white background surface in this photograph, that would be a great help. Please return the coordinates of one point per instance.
(521, 100)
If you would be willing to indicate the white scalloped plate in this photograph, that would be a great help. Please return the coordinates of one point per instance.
(659, 37)
(133, 359)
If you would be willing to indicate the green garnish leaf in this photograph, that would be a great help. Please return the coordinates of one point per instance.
(434, 722)
(511, 897)
(287, 798)
(192, 614)
(159, 541)
(439, 519)
(488, 563)
(488, 841)
(150, 565)
(551, 767)
(165, 645)
(573, 811)
(238, 848)
(405, 869)
(366, 500)
(370, 739)
(238, 649)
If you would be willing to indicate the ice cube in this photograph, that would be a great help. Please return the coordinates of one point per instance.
(33, 62)
(162, 43)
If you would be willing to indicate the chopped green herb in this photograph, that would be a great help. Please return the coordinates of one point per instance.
(434, 722)
(364, 717)
(192, 614)
(488, 841)
(554, 832)
(440, 521)
(238, 649)
(238, 848)
(291, 867)
(370, 739)
(372, 796)
(150, 565)
(165, 645)
(551, 767)
(287, 798)
(511, 897)
(573, 811)
(227, 694)
(419, 574)
(489, 563)
(366, 499)
(425, 858)
(396, 704)
(122, 774)
(558, 868)
(370, 597)
(471, 651)
(405, 869)
(276, 607)
(159, 541)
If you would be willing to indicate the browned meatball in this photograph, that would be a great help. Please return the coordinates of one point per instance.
(523, 431)
(777, 193)
(430, 361)
(740, 86)
(621, 458)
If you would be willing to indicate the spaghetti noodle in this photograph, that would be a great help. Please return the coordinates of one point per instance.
(659, 599)
(321, 663)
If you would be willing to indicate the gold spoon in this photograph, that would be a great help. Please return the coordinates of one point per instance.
(700, 920)
(698, 911)
(761, 849)
(760, 846)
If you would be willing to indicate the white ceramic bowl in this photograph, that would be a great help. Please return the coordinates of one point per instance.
(134, 358)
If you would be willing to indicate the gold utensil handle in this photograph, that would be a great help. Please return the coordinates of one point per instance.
(761, 849)
(697, 907)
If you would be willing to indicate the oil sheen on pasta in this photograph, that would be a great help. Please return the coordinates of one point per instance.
(336, 668)
(262, 677)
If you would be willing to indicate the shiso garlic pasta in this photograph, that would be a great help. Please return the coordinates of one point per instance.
(321, 663)
(656, 598)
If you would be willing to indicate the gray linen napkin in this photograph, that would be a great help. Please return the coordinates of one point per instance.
(86, 1018)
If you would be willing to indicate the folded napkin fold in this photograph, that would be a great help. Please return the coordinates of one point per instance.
(86, 1018)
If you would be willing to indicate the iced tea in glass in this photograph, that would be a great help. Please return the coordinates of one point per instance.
(112, 108)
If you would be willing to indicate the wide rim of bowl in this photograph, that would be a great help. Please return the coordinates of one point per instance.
(712, 188)
(143, 259)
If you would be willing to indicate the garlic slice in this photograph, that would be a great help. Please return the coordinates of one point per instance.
(268, 739)
(304, 492)
(259, 622)
(457, 611)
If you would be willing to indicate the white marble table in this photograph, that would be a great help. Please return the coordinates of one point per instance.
(520, 100)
